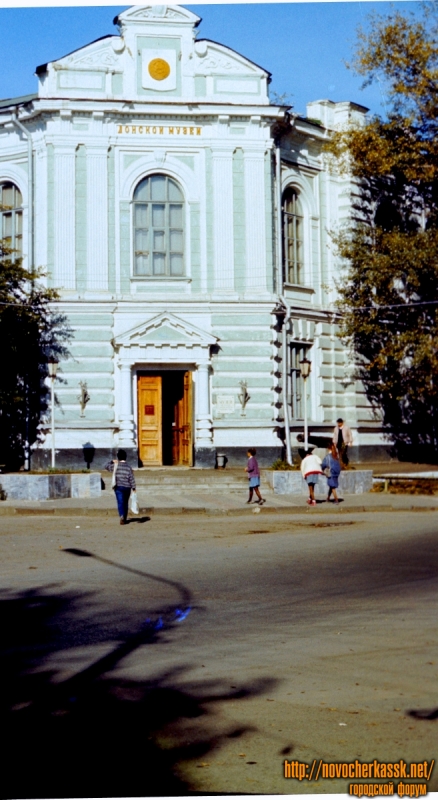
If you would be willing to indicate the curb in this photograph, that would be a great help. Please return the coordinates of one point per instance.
(11, 511)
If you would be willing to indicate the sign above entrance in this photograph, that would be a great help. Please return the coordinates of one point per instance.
(152, 129)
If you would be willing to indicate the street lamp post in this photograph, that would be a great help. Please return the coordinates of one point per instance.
(53, 366)
(305, 365)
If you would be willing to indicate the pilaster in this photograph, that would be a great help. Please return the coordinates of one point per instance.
(40, 197)
(223, 220)
(255, 233)
(64, 190)
(126, 417)
(204, 423)
(97, 218)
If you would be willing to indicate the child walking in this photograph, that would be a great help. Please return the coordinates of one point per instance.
(310, 469)
(333, 464)
(253, 471)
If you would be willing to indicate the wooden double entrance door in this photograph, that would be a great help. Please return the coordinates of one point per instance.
(165, 418)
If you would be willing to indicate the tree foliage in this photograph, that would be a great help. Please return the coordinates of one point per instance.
(30, 332)
(390, 284)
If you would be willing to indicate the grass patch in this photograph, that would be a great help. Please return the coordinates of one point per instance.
(283, 466)
(57, 471)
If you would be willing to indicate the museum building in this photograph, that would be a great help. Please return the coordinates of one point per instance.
(185, 221)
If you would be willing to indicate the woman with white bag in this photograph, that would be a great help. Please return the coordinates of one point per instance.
(123, 482)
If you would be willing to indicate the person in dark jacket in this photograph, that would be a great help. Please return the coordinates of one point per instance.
(253, 471)
(123, 483)
(332, 463)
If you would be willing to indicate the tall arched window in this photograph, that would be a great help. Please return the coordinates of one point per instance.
(158, 228)
(293, 255)
(11, 217)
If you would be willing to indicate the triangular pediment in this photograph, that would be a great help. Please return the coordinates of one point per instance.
(216, 59)
(100, 54)
(164, 329)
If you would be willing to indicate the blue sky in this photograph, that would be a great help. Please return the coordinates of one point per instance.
(304, 45)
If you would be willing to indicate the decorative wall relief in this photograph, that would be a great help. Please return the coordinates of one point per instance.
(243, 397)
(83, 397)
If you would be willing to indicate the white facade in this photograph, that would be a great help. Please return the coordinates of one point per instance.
(160, 176)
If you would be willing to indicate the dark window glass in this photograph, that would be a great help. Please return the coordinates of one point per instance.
(11, 218)
(293, 255)
(298, 352)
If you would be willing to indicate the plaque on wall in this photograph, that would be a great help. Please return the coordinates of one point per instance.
(225, 403)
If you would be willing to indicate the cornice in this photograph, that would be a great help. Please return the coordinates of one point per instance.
(159, 110)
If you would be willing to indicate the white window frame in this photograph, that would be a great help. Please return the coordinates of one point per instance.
(165, 230)
(294, 273)
(15, 212)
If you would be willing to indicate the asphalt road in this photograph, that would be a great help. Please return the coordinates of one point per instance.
(193, 654)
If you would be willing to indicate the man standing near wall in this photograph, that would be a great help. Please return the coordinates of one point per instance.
(342, 438)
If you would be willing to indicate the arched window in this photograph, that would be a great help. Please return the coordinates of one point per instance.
(158, 228)
(11, 216)
(293, 256)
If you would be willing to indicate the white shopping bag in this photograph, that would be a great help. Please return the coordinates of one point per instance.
(133, 503)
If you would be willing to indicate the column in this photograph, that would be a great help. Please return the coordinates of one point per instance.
(64, 228)
(223, 220)
(204, 423)
(126, 417)
(97, 218)
(40, 208)
(255, 221)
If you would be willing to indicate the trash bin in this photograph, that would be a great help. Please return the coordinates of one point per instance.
(221, 460)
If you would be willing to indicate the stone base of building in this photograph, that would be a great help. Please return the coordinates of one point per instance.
(80, 458)
(238, 456)
(372, 452)
(96, 458)
(205, 457)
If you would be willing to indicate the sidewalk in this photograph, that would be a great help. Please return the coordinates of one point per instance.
(191, 501)
(182, 490)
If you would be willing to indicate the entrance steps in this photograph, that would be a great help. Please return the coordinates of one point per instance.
(181, 478)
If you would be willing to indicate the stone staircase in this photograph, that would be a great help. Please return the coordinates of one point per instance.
(183, 478)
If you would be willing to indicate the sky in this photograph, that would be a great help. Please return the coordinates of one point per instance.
(303, 44)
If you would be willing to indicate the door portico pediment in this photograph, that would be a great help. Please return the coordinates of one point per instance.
(165, 337)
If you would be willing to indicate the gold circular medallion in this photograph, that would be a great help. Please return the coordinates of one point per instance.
(159, 69)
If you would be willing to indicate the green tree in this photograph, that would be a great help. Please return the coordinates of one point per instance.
(30, 332)
(389, 291)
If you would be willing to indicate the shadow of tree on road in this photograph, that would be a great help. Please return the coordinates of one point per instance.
(95, 734)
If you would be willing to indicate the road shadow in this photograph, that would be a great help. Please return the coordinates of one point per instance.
(424, 713)
(137, 519)
(95, 733)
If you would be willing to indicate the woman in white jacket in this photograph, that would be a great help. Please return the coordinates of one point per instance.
(310, 469)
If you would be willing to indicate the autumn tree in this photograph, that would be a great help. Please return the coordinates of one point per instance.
(30, 332)
(389, 292)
